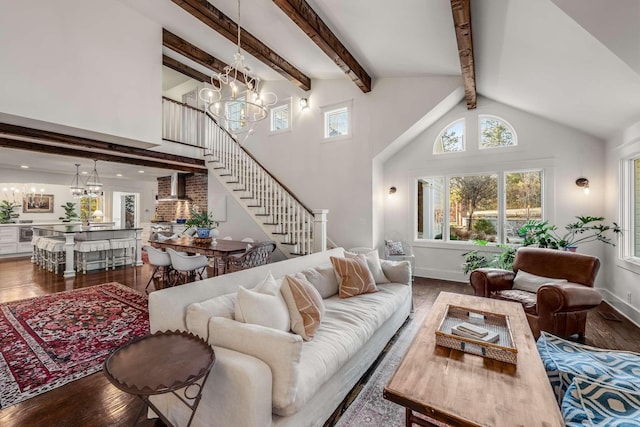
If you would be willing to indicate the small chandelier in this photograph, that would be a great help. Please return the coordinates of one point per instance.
(93, 185)
(237, 112)
(76, 190)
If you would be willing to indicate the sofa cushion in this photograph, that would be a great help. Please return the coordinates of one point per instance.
(199, 313)
(373, 261)
(530, 282)
(527, 299)
(323, 277)
(564, 360)
(589, 403)
(348, 324)
(279, 350)
(353, 276)
(305, 305)
(263, 305)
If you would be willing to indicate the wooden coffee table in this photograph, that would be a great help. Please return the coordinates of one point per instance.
(162, 363)
(462, 389)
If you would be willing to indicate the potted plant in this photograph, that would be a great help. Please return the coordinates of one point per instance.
(6, 211)
(586, 229)
(502, 259)
(202, 222)
(70, 213)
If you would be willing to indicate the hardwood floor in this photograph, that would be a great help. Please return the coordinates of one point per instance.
(93, 401)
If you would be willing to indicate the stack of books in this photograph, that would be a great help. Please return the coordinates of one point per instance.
(469, 330)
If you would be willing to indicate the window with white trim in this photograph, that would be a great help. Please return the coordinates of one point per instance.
(630, 209)
(451, 139)
(337, 122)
(235, 113)
(496, 132)
(280, 117)
(489, 206)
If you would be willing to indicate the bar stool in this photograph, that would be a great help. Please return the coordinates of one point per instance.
(51, 253)
(162, 263)
(82, 248)
(122, 251)
(187, 266)
(34, 253)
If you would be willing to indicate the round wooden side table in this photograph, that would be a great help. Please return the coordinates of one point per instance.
(162, 363)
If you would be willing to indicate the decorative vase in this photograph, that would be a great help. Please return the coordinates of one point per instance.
(202, 232)
(213, 233)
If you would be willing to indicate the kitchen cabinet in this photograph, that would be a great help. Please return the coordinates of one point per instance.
(9, 236)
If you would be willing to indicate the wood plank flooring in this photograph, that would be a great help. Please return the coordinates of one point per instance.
(93, 401)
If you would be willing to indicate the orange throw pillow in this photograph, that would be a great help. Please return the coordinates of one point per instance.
(305, 305)
(354, 276)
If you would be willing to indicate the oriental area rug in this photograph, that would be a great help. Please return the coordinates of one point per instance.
(49, 341)
(369, 408)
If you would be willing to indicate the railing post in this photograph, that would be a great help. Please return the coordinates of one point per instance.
(320, 230)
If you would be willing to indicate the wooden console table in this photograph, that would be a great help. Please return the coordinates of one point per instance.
(463, 389)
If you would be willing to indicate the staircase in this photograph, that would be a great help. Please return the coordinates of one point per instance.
(296, 229)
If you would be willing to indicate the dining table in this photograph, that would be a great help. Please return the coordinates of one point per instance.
(216, 249)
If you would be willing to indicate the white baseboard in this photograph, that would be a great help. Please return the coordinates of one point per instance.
(621, 306)
(433, 273)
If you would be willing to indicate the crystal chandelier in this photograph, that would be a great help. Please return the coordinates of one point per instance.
(93, 185)
(76, 190)
(238, 112)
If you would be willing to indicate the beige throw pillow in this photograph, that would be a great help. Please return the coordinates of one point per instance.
(263, 305)
(373, 261)
(305, 305)
(323, 277)
(530, 282)
(353, 275)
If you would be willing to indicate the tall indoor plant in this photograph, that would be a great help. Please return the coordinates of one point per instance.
(586, 229)
(6, 211)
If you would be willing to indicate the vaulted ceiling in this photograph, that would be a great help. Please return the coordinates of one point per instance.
(572, 61)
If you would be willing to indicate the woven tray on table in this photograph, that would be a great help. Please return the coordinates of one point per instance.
(504, 350)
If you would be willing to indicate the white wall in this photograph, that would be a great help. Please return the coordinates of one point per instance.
(564, 153)
(622, 277)
(90, 64)
(338, 175)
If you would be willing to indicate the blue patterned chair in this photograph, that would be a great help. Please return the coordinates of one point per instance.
(592, 384)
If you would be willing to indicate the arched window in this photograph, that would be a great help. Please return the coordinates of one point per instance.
(496, 132)
(451, 139)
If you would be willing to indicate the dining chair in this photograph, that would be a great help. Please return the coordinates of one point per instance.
(259, 254)
(161, 261)
(187, 267)
(248, 239)
(227, 238)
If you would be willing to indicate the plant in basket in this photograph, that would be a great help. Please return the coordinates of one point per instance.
(202, 222)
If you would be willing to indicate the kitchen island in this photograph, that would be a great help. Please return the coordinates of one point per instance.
(80, 233)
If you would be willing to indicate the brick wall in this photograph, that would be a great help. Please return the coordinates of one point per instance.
(196, 189)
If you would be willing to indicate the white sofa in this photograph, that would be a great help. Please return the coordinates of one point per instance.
(266, 377)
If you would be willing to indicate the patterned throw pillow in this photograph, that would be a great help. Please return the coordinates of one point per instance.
(593, 404)
(395, 248)
(373, 261)
(305, 305)
(565, 360)
(354, 277)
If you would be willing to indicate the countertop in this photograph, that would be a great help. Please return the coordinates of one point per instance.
(79, 228)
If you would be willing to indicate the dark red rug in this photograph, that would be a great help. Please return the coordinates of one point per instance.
(48, 341)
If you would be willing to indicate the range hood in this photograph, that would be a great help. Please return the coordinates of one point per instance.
(178, 188)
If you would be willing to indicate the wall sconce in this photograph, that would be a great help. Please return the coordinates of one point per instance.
(584, 184)
(304, 103)
(392, 191)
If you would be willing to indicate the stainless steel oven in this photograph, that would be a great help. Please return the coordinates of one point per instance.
(26, 233)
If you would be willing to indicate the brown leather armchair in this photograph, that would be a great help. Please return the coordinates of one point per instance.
(560, 308)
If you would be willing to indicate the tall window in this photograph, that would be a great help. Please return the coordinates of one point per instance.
(630, 211)
(336, 123)
(451, 139)
(469, 207)
(495, 132)
(235, 113)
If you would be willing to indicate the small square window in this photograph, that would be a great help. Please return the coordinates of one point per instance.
(280, 118)
(336, 123)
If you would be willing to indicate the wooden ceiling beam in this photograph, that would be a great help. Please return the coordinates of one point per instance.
(178, 66)
(308, 20)
(194, 53)
(215, 19)
(23, 138)
(462, 22)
